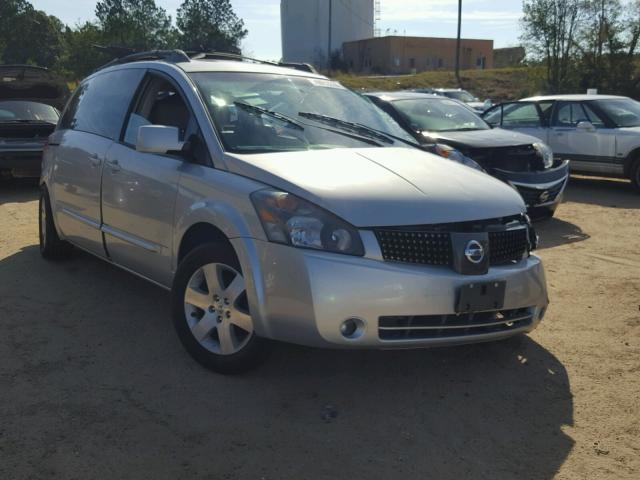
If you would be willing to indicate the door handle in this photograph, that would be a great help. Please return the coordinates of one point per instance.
(114, 165)
(95, 160)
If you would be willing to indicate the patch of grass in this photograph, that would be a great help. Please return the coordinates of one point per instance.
(498, 84)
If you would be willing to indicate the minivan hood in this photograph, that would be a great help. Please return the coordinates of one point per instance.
(493, 138)
(26, 82)
(383, 186)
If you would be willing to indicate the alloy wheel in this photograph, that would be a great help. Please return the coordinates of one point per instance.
(216, 309)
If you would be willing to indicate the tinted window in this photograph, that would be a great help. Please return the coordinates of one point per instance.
(14, 110)
(594, 117)
(100, 104)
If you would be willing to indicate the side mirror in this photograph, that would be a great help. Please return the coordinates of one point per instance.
(158, 139)
(488, 104)
(586, 126)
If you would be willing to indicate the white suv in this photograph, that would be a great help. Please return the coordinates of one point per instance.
(599, 134)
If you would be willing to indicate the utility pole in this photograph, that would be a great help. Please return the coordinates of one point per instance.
(330, 32)
(458, 43)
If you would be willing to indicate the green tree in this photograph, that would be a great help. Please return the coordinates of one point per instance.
(549, 30)
(80, 57)
(138, 24)
(28, 35)
(210, 25)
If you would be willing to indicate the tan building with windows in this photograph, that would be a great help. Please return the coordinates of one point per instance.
(399, 55)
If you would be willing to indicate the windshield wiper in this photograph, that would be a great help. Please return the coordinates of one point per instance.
(352, 127)
(278, 116)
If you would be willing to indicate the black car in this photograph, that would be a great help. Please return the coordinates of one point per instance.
(450, 129)
(30, 103)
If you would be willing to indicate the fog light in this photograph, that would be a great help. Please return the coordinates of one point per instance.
(352, 328)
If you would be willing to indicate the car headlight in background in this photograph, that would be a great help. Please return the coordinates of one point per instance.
(544, 151)
(456, 155)
(293, 221)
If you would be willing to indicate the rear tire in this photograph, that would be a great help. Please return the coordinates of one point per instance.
(211, 313)
(51, 246)
(635, 175)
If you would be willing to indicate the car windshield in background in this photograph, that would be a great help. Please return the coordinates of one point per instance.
(256, 112)
(435, 115)
(22, 111)
(623, 112)
(465, 97)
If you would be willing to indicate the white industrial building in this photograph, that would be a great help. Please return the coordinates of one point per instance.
(313, 29)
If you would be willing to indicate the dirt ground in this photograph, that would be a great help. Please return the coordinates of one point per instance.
(94, 383)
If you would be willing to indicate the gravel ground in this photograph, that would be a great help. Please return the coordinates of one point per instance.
(94, 384)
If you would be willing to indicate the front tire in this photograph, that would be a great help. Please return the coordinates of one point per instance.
(51, 246)
(211, 313)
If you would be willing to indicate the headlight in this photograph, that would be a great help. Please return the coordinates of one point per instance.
(544, 152)
(456, 155)
(293, 221)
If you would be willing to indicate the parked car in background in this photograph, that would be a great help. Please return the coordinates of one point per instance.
(458, 94)
(258, 196)
(599, 134)
(446, 127)
(29, 101)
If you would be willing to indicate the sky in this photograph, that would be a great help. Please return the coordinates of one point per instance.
(487, 19)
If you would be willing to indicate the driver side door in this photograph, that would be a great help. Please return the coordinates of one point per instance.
(139, 189)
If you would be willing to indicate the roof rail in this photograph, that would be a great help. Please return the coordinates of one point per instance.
(304, 67)
(174, 56)
(226, 56)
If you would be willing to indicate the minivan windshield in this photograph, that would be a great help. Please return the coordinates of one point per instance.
(439, 115)
(23, 111)
(259, 112)
(624, 112)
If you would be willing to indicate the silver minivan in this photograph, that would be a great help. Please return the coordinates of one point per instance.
(276, 204)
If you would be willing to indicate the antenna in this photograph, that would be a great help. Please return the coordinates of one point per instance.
(377, 9)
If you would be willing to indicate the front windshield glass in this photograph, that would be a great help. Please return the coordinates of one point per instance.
(230, 95)
(20, 111)
(435, 115)
(463, 96)
(624, 112)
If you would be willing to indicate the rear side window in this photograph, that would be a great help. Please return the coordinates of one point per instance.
(100, 104)
(520, 115)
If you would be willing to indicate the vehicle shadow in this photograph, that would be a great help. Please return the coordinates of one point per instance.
(602, 191)
(95, 381)
(18, 190)
(555, 232)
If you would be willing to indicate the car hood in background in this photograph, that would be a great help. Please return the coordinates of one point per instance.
(493, 138)
(25, 82)
(383, 186)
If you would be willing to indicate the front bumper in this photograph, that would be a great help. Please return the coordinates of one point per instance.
(538, 189)
(303, 296)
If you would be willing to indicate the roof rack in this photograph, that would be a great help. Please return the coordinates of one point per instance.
(177, 56)
(174, 56)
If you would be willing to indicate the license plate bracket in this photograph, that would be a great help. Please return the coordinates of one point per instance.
(481, 297)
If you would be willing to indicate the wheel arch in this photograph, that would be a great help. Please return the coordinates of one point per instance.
(631, 158)
(199, 234)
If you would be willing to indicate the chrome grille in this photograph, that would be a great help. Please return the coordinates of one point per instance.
(424, 327)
